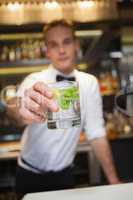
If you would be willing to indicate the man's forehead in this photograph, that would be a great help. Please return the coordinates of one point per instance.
(59, 32)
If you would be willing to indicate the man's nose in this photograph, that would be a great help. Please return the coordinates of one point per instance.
(61, 49)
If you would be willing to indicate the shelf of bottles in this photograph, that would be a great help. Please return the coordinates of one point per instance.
(22, 52)
(117, 124)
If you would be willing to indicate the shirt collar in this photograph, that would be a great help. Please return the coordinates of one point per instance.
(55, 71)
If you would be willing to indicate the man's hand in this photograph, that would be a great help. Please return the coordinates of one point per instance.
(34, 104)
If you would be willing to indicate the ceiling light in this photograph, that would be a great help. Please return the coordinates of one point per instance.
(51, 5)
(85, 4)
(14, 7)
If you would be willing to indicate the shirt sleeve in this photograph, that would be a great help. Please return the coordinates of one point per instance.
(94, 122)
(27, 83)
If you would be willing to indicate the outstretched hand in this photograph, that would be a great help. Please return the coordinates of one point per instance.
(35, 103)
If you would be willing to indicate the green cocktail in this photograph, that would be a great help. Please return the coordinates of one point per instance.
(66, 93)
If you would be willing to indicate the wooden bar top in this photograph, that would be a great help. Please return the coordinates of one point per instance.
(9, 150)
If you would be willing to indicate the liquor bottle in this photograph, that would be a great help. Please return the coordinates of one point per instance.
(12, 54)
(4, 54)
(37, 50)
(30, 50)
(18, 52)
(24, 51)
(110, 126)
(42, 49)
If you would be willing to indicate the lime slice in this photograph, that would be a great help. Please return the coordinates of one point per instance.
(65, 97)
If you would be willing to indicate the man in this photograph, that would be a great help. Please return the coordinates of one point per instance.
(46, 157)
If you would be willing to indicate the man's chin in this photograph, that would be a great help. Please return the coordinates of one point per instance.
(65, 68)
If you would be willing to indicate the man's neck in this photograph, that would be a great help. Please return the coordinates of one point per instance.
(65, 72)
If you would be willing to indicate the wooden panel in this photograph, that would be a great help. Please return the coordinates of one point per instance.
(86, 11)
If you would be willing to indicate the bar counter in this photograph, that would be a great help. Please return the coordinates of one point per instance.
(122, 149)
(9, 150)
(112, 192)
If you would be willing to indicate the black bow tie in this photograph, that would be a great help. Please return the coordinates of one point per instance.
(62, 78)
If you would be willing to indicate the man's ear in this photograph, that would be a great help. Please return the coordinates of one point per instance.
(77, 45)
(78, 49)
(47, 53)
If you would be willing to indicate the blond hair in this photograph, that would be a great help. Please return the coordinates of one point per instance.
(56, 23)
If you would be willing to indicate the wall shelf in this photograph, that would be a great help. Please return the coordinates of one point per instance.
(21, 70)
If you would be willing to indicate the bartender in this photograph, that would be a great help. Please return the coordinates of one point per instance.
(45, 161)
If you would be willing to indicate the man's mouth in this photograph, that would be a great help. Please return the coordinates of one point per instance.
(63, 59)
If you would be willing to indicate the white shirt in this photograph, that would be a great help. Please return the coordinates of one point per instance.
(54, 149)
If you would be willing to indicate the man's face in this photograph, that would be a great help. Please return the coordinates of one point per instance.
(61, 48)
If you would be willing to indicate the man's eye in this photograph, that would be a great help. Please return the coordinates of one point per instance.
(68, 41)
(52, 45)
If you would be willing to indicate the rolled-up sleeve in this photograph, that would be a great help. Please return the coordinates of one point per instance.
(94, 125)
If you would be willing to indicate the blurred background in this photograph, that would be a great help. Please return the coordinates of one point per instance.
(105, 31)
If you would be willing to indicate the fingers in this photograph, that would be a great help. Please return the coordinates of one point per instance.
(43, 89)
(35, 103)
(32, 106)
(29, 117)
(43, 101)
